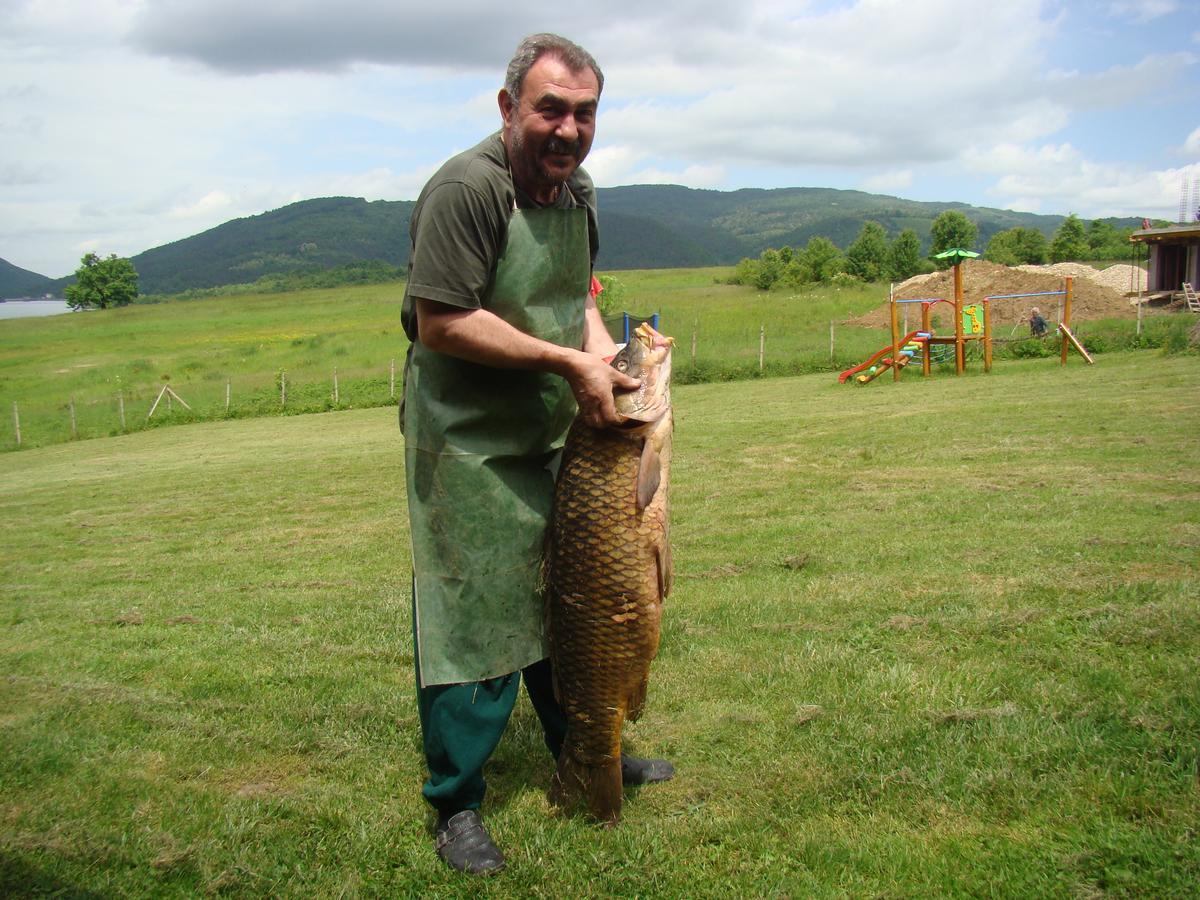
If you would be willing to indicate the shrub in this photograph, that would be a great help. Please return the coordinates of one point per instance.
(1030, 349)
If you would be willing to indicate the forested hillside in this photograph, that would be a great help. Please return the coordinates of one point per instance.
(18, 282)
(644, 226)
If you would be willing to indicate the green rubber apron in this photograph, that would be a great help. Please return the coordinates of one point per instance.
(479, 446)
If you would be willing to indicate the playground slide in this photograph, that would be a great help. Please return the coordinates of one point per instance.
(875, 357)
(886, 363)
(1076, 344)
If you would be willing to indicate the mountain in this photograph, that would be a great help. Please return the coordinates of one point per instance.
(643, 226)
(309, 234)
(16, 282)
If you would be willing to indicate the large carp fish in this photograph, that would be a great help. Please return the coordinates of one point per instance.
(608, 570)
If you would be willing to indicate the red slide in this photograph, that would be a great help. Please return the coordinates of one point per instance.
(875, 357)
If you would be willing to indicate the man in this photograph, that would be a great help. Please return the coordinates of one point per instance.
(1037, 325)
(507, 344)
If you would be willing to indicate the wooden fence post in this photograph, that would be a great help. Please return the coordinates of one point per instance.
(282, 389)
(17, 423)
(762, 345)
(121, 407)
(695, 328)
(228, 393)
(831, 341)
(392, 379)
(1139, 325)
(335, 386)
(74, 427)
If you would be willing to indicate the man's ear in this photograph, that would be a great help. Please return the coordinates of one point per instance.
(506, 106)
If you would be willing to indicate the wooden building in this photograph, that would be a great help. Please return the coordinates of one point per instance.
(1174, 257)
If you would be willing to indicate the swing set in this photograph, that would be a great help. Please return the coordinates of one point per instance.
(971, 324)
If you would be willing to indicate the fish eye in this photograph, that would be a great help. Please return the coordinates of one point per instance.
(621, 365)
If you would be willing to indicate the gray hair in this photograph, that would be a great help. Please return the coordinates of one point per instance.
(534, 47)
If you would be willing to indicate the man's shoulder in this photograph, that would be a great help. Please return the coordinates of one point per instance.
(481, 169)
(581, 186)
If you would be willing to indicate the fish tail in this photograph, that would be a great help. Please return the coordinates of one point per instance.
(599, 787)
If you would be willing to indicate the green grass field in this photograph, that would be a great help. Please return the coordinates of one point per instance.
(247, 341)
(933, 638)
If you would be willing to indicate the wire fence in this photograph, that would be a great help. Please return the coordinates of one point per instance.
(705, 352)
(137, 407)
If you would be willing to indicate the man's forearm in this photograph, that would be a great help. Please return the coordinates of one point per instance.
(479, 336)
(482, 337)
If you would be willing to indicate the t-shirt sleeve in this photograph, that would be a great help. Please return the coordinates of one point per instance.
(458, 239)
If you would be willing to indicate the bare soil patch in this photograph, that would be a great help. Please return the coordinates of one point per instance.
(1093, 297)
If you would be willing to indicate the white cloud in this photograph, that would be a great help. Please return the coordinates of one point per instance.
(273, 35)
(1058, 177)
(212, 203)
(1142, 11)
(888, 182)
(1119, 84)
(1192, 144)
(616, 165)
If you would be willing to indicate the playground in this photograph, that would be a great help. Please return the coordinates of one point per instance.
(982, 320)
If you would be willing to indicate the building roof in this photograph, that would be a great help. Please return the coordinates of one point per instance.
(1171, 234)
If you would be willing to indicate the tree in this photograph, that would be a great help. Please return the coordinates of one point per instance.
(1100, 234)
(1017, 246)
(102, 283)
(770, 269)
(1031, 246)
(952, 229)
(1106, 241)
(1070, 241)
(821, 259)
(904, 256)
(611, 300)
(867, 256)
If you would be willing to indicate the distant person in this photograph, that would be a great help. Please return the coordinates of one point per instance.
(1037, 325)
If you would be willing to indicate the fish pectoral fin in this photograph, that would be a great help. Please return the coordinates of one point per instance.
(649, 475)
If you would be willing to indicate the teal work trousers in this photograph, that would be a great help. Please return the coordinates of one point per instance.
(461, 724)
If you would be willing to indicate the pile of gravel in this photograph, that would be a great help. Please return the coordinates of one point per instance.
(1124, 278)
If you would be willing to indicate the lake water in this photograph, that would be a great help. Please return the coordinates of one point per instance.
(20, 309)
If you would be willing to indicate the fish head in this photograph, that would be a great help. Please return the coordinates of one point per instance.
(646, 357)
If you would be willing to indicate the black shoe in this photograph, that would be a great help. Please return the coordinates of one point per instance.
(463, 842)
(645, 771)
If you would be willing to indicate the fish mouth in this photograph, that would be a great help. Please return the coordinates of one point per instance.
(646, 357)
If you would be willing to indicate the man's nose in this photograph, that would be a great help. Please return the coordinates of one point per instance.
(568, 128)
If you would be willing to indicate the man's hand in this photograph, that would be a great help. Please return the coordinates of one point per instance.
(593, 382)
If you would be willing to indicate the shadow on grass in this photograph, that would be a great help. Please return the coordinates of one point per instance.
(23, 878)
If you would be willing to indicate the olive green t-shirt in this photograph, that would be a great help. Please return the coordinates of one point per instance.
(460, 225)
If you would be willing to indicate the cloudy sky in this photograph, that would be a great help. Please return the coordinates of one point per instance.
(126, 124)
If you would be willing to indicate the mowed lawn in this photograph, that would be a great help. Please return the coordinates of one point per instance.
(933, 638)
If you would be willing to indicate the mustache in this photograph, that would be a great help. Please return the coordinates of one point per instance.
(558, 145)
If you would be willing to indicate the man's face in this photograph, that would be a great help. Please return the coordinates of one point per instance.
(550, 131)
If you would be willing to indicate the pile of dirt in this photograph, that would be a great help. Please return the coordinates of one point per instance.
(1123, 278)
(1091, 298)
